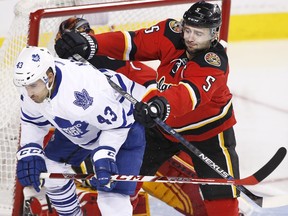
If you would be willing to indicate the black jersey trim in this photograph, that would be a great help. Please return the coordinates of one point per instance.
(134, 48)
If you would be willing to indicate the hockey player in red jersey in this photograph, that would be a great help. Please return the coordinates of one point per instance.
(192, 95)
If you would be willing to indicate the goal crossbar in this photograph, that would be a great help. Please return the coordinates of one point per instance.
(36, 16)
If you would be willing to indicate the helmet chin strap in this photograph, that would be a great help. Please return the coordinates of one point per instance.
(48, 85)
(214, 40)
(49, 88)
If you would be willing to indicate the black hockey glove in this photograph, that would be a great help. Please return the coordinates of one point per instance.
(146, 113)
(73, 42)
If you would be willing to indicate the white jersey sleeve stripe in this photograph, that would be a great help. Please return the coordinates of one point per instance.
(29, 117)
(45, 123)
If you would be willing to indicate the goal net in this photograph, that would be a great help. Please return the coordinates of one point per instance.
(36, 23)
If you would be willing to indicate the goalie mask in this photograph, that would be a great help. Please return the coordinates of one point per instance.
(32, 65)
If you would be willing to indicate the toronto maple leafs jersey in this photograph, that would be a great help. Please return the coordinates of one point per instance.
(83, 106)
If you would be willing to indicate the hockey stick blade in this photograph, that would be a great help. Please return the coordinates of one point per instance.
(271, 165)
(262, 173)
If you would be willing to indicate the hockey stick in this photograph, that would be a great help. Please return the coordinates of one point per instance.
(270, 166)
(254, 179)
(260, 175)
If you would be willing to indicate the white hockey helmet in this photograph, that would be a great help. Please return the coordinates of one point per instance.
(32, 65)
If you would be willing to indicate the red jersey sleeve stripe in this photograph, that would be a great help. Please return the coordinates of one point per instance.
(128, 45)
(193, 92)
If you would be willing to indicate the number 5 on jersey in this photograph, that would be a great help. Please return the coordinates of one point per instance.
(209, 81)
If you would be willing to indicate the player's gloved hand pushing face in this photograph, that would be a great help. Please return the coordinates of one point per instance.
(74, 42)
(104, 166)
(145, 113)
(30, 164)
(74, 37)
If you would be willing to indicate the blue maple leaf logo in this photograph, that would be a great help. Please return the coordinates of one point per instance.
(77, 129)
(35, 57)
(83, 99)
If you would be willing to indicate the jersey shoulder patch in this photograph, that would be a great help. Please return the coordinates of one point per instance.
(173, 32)
(212, 59)
(215, 57)
(175, 26)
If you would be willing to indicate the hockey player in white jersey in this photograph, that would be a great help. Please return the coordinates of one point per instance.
(79, 102)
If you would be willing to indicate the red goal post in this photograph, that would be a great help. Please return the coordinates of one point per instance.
(36, 23)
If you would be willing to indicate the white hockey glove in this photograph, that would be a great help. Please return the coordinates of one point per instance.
(104, 166)
(30, 164)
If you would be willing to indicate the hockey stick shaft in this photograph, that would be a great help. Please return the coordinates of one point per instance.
(162, 179)
(260, 175)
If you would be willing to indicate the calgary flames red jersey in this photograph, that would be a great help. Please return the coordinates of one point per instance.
(196, 89)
